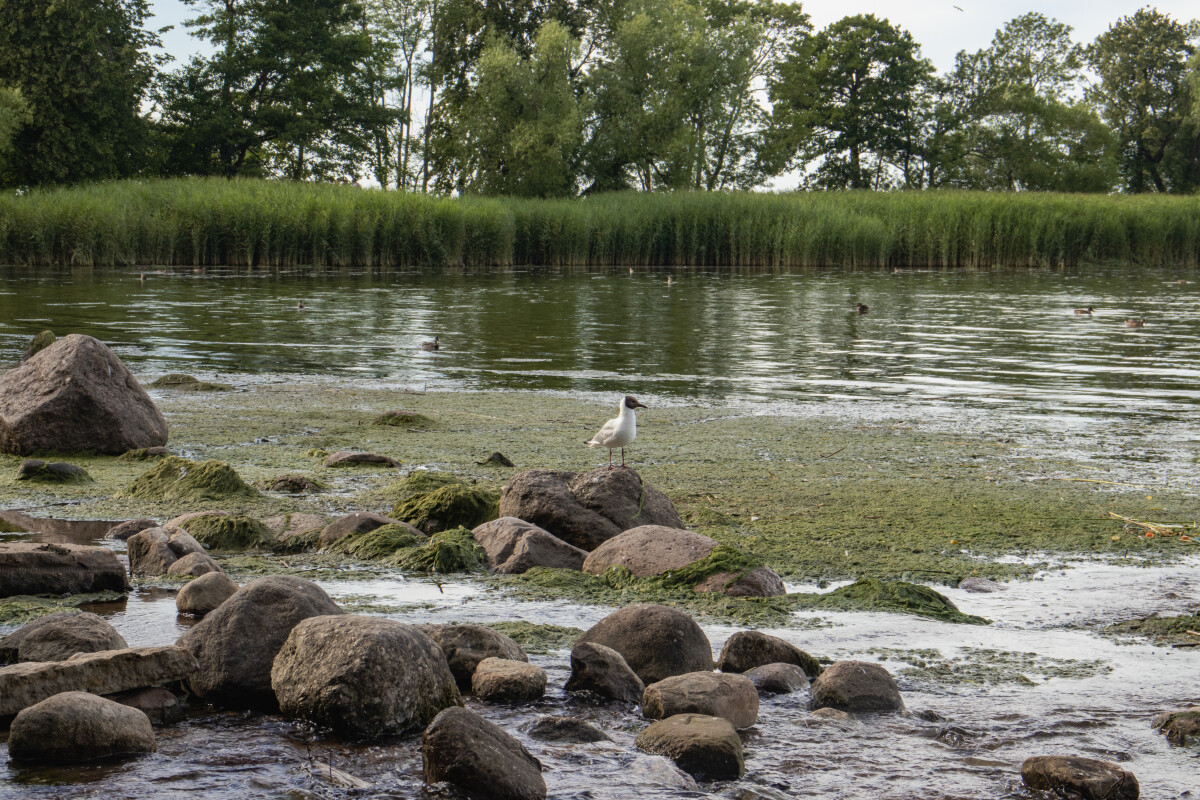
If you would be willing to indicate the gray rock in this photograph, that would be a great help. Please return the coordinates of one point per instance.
(746, 650)
(465, 750)
(1083, 778)
(76, 396)
(161, 706)
(74, 727)
(347, 458)
(714, 694)
(514, 546)
(466, 645)
(656, 641)
(566, 730)
(150, 553)
(777, 678)
(856, 686)
(236, 643)
(57, 637)
(649, 550)
(661, 771)
(758, 582)
(286, 526)
(981, 586)
(499, 680)
(32, 568)
(1180, 727)
(205, 593)
(603, 671)
(124, 530)
(704, 747)
(194, 564)
(358, 522)
(362, 676)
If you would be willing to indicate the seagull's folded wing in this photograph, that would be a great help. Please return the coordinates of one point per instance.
(604, 434)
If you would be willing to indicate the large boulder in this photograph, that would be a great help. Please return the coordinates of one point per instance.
(514, 546)
(714, 694)
(362, 676)
(465, 750)
(499, 680)
(649, 550)
(466, 645)
(1082, 778)
(193, 565)
(57, 637)
(76, 396)
(202, 595)
(856, 686)
(150, 553)
(656, 641)
(32, 568)
(702, 746)
(358, 522)
(73, 727)
(586, 509)
(757, 582)
(103, 672)
(603, 671)
(236, 644)
(746, 650)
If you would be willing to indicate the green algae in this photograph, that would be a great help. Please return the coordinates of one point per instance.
(380, 543)
(1159, 630)
(222, 532)
(723, 559)
(446, 552)
(872, 594)
(19, 609)
(310, 566)
(178, 479)
(402, 419)
(536, 638)
(980, 666)
(415, 484)
(142, 454)
(40, 342)
(302, 542)
(44, 472)
(451, 506)
(1181, 727)
(178, 380)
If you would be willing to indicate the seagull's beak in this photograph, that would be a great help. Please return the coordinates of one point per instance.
(641, 405)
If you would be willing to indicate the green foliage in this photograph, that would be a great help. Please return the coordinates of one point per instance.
(380, 543)
(453, 505)
(223, 532)
(446, 552)
(178, 479)
(14, 112)
(417, 483)
(538, 639)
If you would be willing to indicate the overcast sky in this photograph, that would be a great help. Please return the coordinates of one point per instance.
(938, 26)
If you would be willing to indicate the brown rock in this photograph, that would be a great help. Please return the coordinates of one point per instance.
(514, 546)
(1180, 726)
(76, 396)
(204, 594)
(465, 750)
(1083, 778)
(57, 637)
(656, 641)
(31, 568)
(347, 458)
(466, 645)
(777, 678)
(500, 680)
(160, 705)
(758, 582)
(604, 672)
(292, 484)
(285, 526)
(358, 522)
(649, 550)
(702, 746)
(746, 650)
(124, 530)
(74, 727)
(713, 694)
(150, 553)
(195, 564)
(566, 729)
(856, 686)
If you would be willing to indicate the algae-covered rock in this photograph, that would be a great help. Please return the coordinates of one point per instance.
(1180, 727)
(189, 383)
(351, 458)
(22, 608)
(418, 482)
(177, 479)
(381, 542)
(40, 342)
(452, 506)
(874, 594)
(223, 532)
(402, 419)
(538, 638)
(292, 484)
(38, 471)
(143, 454)
(445, 552)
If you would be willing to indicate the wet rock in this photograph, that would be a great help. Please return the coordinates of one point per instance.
(981, 586)
(188, 383)
(497, 459)
(777, 678)
(832, 715)
(76, 396)
(347, 458)
(32, 568)
(292, 484)
(194, 564)
(178, 480)
(228, 533)
(126, 529)
(57, 637)
(649, 550)
(74, 727)
(362, 676)
(1083, 778)
(466, 645)
(103, 672)
(566, 730)
(1181, 727)
(358, 522)
(661, 771)
(499, 680)
(161, 706)
(704, 747)
(39, 343)
(38, 471)
(758, 582)
(856, 686)
(285, 527)
(746, 650)
(656, 641)
(465, 750)
(713, 694)
(205, 593)
(450, 506)
(236, 643)
(586, 509)
(150, 553)
(603, 671)
(515, 546)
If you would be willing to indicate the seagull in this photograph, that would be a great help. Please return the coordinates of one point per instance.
(618, 432)
(431, 345)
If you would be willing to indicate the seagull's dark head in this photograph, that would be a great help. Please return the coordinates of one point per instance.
(632, 402)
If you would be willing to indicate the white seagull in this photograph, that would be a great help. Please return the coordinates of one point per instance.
(618, 432)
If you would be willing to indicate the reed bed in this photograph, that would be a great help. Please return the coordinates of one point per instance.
(217, 222)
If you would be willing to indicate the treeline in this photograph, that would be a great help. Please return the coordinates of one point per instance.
(556, 98)
(267, 223)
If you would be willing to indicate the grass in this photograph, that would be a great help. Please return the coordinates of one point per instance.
(217, 222)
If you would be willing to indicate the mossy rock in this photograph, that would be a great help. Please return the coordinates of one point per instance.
(40, 342)
(451, 506)
(143, 454)
(872, 594)
(19, 609)
(223, 532)
(1160, 630)
(178, 479)
(403, 419)
(380, 543)
(300, 543)
(538, 639)
(447, 551)
(315, 452)
(38, 471)
(722, 559)
(178, 380)
(416, 483)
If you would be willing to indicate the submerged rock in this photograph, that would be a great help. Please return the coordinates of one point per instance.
(981, 586)
(856, 686)
(348, 458)
(189, 383)
(74, 727)
(76, 396)
(704, 747)
(586, 509)
(565, 729)
(603, 671)
(1083, 778)
(514, 546)
(714, 694)
(656, 641)
(204, 594)
(777, 678)
(362, 676)
(38, 471)
(451, 506)
(160, 705)
(32, 568)
(57, 637)
(175, 479)
(746, 650)
(1181, 727)
(466, 645)
(465, 750)
(501, 680)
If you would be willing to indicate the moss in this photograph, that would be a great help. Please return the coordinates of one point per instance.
(43, 472)
(709, 518)
(403, 419)
(142, 454)
(379, 543)
(723, 558)
(536, 638)
(177, 479)
(447, 551)
(222, 532)
(872, 594)
(316, 452)
(1160, 630)
(450, 506)
(300, 543)
(40, 342)
(292, 484)
(19, 609)
(189, 383)
(417, 483)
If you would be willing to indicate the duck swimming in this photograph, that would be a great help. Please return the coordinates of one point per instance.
(1083, 311)
(1135, 323)
(863, 308)
(434, 345)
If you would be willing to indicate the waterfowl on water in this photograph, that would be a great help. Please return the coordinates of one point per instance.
(1084, 311)
(619, 432)
(863, 308)
(434, 345)
(1135, 323)
(669, 280)
(301, 305)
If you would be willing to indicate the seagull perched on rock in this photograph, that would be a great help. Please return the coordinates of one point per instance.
(618, 432)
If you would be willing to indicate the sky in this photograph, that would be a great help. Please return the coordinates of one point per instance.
(940, 28)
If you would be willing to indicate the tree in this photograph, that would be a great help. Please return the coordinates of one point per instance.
(82, 68)
(846, 104)
(14, 112)
(1141, 62)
